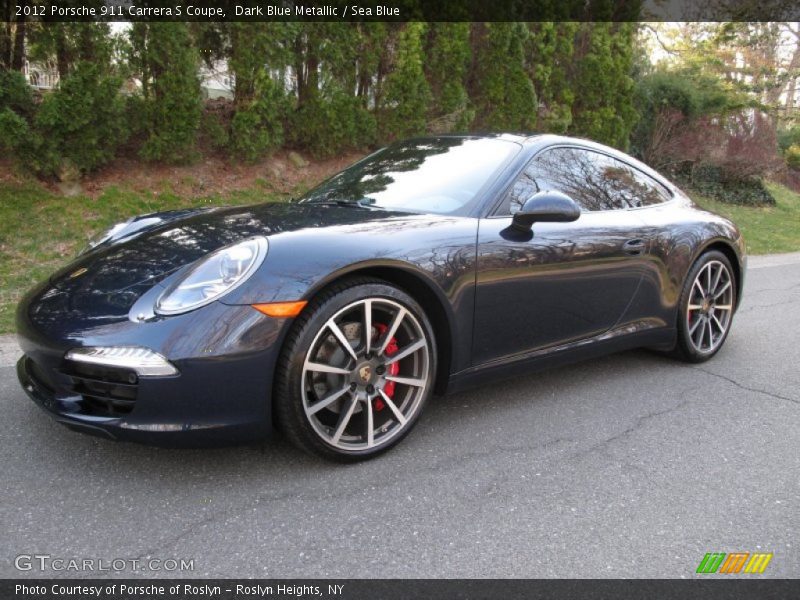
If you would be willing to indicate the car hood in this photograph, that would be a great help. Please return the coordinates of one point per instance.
(103, 284)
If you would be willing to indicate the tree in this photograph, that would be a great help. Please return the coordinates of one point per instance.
(330, 116)
(668, 102)
(371, 61)
(67, 44)
(603, 88)
(258, 56)
(257, 127)
(166, 61)
(499, 85)
(17, 135)
(447, 58)
(407, 96)
(79, 125)
(12, 38)
(549, 53)
(82, 122)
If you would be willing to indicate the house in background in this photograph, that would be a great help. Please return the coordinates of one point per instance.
(215, 82)
(41, 76)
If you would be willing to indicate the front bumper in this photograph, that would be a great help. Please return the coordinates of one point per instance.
(221, 395)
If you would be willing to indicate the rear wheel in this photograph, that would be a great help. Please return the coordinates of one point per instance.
(355, 371)
(707, 305)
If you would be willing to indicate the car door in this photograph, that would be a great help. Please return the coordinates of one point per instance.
(565, 281)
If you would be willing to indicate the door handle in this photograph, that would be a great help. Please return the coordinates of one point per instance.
(634, 247)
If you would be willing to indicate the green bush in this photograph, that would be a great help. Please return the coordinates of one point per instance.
(213, 131)
(502, 91)
(166, 61)
(603, 109)
(17, 137)
(82, 122)
(667, 99)
(325, 127)
(789, 137)
(712, 181)
(15, 93)
(792, 156)
(407, 97)
(257, 129)
(447, 57)
(135, 115)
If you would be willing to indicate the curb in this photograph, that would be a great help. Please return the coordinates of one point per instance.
(773, 260)
(9, 350)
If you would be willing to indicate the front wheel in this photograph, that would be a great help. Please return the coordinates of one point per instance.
(356, 371)
(707, 304)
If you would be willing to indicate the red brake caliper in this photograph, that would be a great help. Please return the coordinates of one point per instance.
(392, 369)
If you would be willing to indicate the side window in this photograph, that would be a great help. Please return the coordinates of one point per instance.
(524, 187)
(649, 191)
(595, 181)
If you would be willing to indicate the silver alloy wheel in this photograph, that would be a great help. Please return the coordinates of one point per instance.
(365, 374)
(708, 315)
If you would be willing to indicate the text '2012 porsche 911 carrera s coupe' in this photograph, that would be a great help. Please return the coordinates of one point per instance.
(429, 266)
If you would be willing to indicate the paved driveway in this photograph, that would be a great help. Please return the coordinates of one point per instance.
(631, 465)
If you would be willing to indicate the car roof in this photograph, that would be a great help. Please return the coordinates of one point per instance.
(524, 138)
(536, 141)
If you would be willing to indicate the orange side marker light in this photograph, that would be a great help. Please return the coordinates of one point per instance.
(281, 309)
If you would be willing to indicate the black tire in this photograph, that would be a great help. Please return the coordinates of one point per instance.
(296, 386)
(686, 348)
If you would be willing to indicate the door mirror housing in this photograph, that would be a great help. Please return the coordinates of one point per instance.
(548, 206)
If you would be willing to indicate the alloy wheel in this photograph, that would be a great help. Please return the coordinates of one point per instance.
(710, 308)
(365, 374)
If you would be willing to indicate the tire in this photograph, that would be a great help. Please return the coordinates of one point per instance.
(345, 396)
(707, 305)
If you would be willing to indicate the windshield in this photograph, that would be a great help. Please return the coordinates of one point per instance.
(432, 175)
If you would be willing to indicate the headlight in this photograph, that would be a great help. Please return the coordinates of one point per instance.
(213, 277)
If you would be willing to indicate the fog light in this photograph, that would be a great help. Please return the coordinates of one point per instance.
(143, 361)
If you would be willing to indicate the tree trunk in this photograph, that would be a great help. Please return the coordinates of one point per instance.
(5, 40)
(62, 53)
(18, 58)
(241, 80)
(299, 69)
(312, 75)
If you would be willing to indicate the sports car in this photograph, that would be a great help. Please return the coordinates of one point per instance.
(432, 265)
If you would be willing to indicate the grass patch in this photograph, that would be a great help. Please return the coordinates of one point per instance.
(41, 231)
(767, 230)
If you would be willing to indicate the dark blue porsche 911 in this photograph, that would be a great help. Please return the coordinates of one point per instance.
(429, 266)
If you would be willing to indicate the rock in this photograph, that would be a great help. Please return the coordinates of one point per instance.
(69, 179)
(68, 172)
(70, 189)
(297, 160)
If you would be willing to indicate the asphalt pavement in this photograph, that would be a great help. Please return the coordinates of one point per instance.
(632, 465)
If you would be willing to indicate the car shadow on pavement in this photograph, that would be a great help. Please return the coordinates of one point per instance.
(445, 420)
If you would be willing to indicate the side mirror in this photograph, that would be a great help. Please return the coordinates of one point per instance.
(546, 206)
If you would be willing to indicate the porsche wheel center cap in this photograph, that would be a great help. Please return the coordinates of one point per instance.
(365, 373)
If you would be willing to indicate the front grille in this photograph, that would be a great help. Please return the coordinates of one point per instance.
(106, 391)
